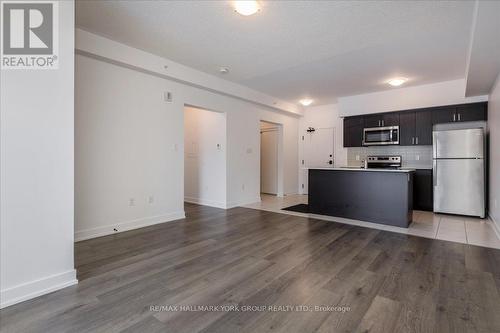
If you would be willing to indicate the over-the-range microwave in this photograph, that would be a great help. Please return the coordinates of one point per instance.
(376, 136)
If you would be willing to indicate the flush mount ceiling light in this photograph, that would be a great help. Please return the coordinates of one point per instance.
(223, 70)
(306, 101)
(397, 81)
(246, 7)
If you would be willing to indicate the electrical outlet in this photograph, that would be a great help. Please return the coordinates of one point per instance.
(249, 150)
(151, 199)
(131, 202)
(417, 157)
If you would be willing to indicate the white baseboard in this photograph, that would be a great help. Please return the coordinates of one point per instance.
(243, 202)
(128, 225)
(495, 225)
(29, 290)
(204, 202)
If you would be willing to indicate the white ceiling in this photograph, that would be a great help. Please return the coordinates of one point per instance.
(294, 49)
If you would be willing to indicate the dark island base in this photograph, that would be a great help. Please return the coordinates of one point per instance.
(373, 196)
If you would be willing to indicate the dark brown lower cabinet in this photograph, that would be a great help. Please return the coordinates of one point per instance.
(423, 190)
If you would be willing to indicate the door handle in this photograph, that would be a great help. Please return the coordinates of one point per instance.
(383, 123)
(459, 117)
(413, 140)
(330, 162)
(416, 140)
(454, 117)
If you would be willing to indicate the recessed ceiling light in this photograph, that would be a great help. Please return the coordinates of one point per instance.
(397, 81)
(223, 70)
(246, 7)
(306, 101)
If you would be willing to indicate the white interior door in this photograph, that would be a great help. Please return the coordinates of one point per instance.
(269, 161)
(318, 152)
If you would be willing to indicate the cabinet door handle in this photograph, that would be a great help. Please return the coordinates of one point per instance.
(454, 117)
(459, 117)
(413, 140)
(416, 140)
(383, 122)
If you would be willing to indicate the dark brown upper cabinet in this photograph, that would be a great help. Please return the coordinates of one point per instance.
(415, 128)
(382, 119)
(446, 114)
(460, 113)
(390, 119)
(423, 127)
(472, 112)
(407, 128)
(353, 131)
(373, 120)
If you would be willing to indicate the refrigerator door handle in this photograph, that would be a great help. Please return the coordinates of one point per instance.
(434, 173)
(435, 145)
(454, 116)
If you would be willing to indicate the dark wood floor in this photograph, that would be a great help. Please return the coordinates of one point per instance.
(241, 257)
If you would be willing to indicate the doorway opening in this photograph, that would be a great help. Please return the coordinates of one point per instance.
(317, 145)
(271, 165)
(204, 157)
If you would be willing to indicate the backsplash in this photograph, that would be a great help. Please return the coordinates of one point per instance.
(418, 157)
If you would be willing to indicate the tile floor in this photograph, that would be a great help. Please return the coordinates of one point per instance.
(467, 230)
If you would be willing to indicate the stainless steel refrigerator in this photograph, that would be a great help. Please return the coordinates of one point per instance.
(459, 171)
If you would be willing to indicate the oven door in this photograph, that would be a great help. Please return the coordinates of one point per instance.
(381, 136)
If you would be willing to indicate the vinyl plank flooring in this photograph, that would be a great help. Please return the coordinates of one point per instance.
(384, 282)
(380, 317)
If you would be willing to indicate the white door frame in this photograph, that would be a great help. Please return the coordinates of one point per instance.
(280, 192)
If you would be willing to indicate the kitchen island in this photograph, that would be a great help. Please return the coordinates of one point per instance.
(375, 195)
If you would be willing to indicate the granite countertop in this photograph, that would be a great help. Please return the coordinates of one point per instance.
(404, 170)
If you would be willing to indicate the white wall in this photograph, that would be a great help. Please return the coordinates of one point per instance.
(494, 155)
(37, 174)
(94, 44)
(205, 157)
(324, 116)
(436, 94)
(120, 108)
(128, 147)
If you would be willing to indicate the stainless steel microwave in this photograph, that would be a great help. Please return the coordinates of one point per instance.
(375, 136)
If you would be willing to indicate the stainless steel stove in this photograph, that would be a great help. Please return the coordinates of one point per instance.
(383, 162)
